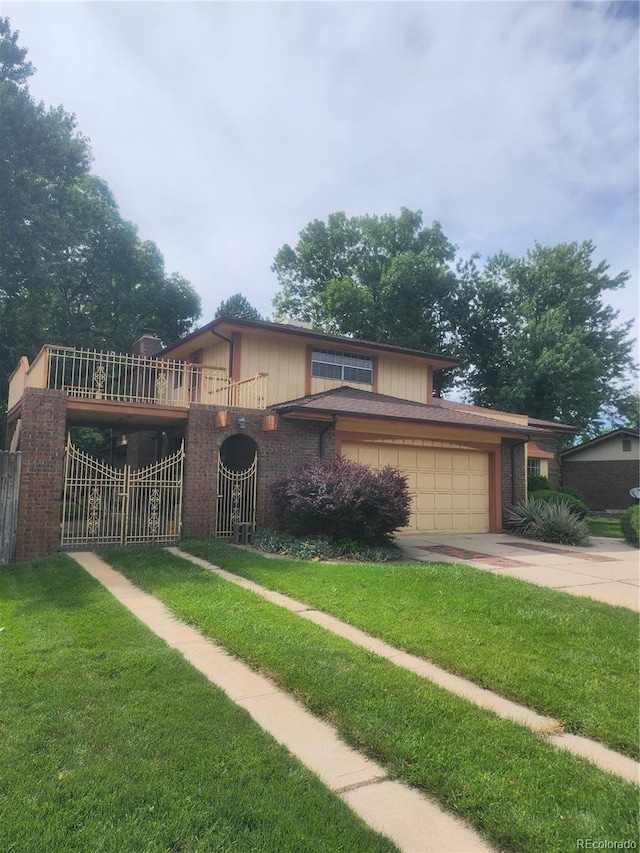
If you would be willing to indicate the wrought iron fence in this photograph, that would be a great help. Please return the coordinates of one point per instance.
(128, 378)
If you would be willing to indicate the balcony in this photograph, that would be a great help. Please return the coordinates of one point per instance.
(91, 375)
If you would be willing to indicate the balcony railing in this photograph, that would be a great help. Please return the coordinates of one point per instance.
(123, 378)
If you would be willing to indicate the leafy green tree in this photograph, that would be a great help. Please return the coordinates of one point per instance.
(72, 271)
(539, 338)
(628, 412)
(386, 279)
(237, 306)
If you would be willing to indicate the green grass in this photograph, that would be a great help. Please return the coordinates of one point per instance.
(568, 657)
(112, 742)
(521, 792)
(609, 527)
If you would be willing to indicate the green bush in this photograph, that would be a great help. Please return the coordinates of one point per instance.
(630, 525)
(535, 483)
(549, 496)
(575, 493)
(548, 522)
(323, 549)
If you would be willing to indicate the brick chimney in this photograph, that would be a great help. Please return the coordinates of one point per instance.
(148, 345)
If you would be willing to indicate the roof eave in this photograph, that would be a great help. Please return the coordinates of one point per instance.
(442, 361)
(528, 433)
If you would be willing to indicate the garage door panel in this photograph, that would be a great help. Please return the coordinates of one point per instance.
(444, 482)
(479, 462)
(408, 459)
(461, 482)
(425, 480)
(449, 488)
(462, 501)
(444, 461)
(424, 501)
(425, 460)
(479, 503)
(444, 500)
(368, 456)
(388, 456)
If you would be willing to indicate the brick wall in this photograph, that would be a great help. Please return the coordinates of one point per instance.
(42, 443)
(605, 485)
(514, 484)
(278, 450)
(551, 446)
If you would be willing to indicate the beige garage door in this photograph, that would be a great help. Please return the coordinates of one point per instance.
(450, 488)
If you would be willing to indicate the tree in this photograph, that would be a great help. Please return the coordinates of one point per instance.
(237, 306)
(538, 337)
(628, 412)
(385, 279)
(72, 271)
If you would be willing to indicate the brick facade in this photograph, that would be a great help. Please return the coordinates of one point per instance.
(514, 483)
(42, 444)
(288, 445)
(605, 485)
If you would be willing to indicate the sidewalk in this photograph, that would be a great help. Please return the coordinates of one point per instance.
(413, 822)
(608, 570)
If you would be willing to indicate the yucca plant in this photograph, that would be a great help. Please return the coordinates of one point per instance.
(548, 522)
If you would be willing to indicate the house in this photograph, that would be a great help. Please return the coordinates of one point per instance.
(605, 469)
(234, 404)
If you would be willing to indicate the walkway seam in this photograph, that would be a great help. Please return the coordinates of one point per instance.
(603, 757)
(413, 821)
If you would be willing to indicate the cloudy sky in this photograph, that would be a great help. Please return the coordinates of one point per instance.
(223, 128)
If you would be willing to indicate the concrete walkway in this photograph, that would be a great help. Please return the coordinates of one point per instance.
(607, 570)
(412, 821)
(600, 755)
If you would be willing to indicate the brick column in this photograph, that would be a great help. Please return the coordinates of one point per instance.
(42, 442)
(514, 481)
(200, 490)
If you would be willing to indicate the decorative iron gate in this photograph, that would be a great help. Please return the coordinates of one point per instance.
(103, 505)
(236, 497)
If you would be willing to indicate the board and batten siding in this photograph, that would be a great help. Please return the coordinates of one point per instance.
(9, 493)
(404, 379)
(284, 360)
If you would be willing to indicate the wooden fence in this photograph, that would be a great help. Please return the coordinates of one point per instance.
(9, 491)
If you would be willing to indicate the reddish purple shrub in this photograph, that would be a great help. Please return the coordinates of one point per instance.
(341, 500)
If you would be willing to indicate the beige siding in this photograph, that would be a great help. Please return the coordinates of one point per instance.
(215, 353)
(318, 385)
(405, 379)
(607, 451)
(449, 487)
(283, 359)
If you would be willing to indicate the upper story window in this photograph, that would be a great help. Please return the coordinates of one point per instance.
(626, 444)
(331, 364)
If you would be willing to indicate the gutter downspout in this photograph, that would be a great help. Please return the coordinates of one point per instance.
(513, 465)
(230, 342)
(322, 433)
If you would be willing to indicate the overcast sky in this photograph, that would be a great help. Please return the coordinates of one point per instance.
(224, 128)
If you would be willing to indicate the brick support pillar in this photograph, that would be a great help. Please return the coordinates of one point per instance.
(514, 480)
(42, 443)
(201, 472)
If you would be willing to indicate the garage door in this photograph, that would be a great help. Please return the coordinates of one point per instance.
(450, 488)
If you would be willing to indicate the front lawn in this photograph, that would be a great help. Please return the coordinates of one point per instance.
(609, 527)
(112, 742)
(570, 658)
(520, 791)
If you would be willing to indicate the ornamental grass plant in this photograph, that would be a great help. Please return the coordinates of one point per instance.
(548, 522)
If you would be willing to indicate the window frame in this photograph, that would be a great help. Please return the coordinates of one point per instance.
(533, 462)
(341, 366)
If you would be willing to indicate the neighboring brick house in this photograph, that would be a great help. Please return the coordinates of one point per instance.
(605, 469)
(246, 392)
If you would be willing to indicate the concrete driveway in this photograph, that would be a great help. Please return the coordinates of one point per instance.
(607, 570)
